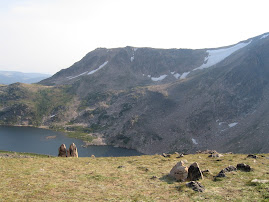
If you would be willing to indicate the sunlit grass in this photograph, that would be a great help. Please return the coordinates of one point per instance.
(127, 179)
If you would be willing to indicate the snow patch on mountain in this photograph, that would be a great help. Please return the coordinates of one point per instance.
(72, 77)
(176, 75)
(158, 78)
(184, 75)
(232, 124)
(216, 56)
(264, 36)
(194, 141)
(132, 58)
(100, 67)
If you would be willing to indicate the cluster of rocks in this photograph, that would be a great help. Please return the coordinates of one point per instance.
(226, 170)
(206, 152)
(180, 155)
(71, 152)
(240, 166)
(181, 173)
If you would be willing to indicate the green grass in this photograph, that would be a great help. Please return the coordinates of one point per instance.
(127, 179)
(80, 135)
(23, 154)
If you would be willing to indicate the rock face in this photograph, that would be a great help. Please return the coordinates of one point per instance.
(196, 186)
(62, 151)
(72, 152)
(194, 172)
(179, 172)
(243, 167)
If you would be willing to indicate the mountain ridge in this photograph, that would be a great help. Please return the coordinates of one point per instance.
(9, 77)
(158, 100)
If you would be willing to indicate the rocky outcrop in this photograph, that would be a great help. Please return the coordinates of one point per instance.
(72, 152)
(62, 151)
(194, 172)
(179, 172)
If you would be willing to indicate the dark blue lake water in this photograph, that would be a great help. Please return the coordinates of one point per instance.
(34, 140)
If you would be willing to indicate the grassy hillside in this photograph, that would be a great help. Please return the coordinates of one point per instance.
(128, 179)
(32, 104)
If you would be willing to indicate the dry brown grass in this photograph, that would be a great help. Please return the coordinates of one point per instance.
(127, 179)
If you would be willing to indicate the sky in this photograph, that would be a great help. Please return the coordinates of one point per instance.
(46, 36)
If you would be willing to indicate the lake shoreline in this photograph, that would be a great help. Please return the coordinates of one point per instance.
(45, 141)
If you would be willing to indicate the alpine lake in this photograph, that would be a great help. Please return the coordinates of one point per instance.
(42, 141)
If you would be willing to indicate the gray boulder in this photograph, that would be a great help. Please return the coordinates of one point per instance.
(179, 172)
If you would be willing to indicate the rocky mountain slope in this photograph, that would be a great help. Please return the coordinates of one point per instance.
(9, 77)
(157, 100)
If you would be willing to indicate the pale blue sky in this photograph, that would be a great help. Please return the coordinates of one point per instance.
(49, 35)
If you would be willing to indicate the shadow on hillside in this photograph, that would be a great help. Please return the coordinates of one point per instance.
(168, 179)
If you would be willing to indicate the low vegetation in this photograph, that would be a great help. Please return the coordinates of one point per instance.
(138, 178)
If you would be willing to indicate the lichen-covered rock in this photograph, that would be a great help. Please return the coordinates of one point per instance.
(194, 172)
(62, 151)
(179, 172)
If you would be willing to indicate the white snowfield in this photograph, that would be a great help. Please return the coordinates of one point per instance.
(132, 58)
(216, 56)
(158, 78)
(72, 77)
(184, 75)
(100, 67)
(194, 141)
(176, 75)
(232, 124)
(264, 36)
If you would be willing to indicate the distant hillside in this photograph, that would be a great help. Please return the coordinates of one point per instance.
(9, 77)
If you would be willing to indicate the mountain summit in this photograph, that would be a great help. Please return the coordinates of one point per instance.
(157, 100)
